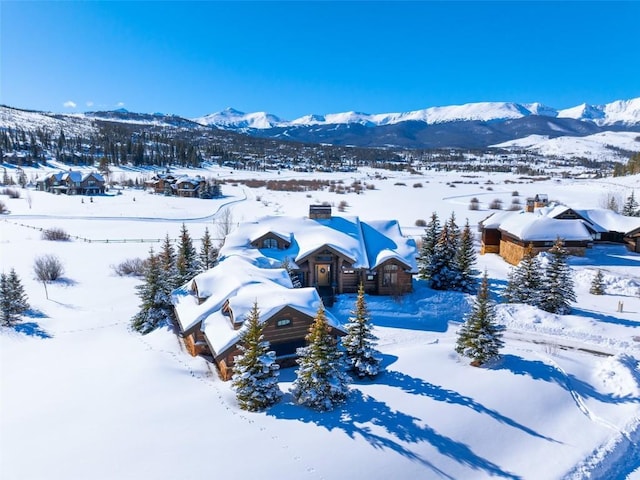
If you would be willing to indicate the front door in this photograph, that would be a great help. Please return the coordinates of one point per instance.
(323, 275)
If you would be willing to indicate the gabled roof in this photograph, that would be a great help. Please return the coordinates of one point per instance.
(531, 227)
(95, 175)
(271, 299)
(609, 220)
(366, 244)
(219, 284)
(384, 241)
(73, 175)
(543, 224)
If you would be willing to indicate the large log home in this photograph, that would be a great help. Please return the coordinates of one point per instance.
(261, 261)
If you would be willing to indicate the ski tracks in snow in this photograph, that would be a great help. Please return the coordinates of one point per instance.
(618, 456)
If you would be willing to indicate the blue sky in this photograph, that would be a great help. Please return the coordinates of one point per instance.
(296, 58)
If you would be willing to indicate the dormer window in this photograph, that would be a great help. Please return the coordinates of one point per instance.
(270, 243)
(283, 322)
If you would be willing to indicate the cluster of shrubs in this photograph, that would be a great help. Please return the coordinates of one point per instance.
(55, 234)
(131, 267)
(11, 192)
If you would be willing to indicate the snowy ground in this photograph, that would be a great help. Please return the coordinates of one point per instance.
(84, 397)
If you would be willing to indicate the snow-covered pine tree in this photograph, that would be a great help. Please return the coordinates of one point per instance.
(597, 284)
(19, 298)
(557, 286)
(361, 356)
(208, 253)
(6, 314)
(630, 208)
(295, 279)
(443, 269)
(13, 299)
(255, 371)
(156, 308)
(319, 383)
(429, 240)
(465, 260)
(480, 338)
(167, 258)
(524, 282)
(187, 262)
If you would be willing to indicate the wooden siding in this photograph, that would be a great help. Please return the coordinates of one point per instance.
(295, 332)
(513, 252)
(196, 344)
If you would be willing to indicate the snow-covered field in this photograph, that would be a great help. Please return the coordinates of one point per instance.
(82, 396)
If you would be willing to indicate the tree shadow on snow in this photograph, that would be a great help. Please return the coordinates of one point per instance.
(362, 412)
(33, 313)
(417, 386)
(31, 329)
(604, 318)
(539, 370)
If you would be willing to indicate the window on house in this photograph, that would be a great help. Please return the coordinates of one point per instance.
(269, 243)
(283, 322)
(390, 275)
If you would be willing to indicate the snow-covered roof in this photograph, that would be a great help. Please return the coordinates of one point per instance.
(365, 244)
(531, 227)
(609, 220)
(533, 224)
(72, 175)
(220, 283)
(271, 299)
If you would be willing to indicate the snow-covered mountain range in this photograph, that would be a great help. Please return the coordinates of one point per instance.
(618, 113)
(531, 126)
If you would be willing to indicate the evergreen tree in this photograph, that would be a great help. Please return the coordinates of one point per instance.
(443, 269)
(187, 262)
(465, 260)
(480, 338)
(359, 343)
(597, 284)
(13, 299)
(557, 285)
(255, 377)
(6, 313)
(429, 240)
(167, 258)
(319, 383)
(208, 253)
(156, 308)
(630, 208)
(524, 282)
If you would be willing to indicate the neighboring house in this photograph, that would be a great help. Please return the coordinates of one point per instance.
(161, 183)
(327, 255)
(49, 182)
(510, 233)
(183, 186)
(72, 183)
(189, 187)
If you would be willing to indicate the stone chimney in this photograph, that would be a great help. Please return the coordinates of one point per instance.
(317, 212)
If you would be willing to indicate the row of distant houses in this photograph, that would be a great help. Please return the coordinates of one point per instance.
(261, 261)
(540, 224)
(81, 183)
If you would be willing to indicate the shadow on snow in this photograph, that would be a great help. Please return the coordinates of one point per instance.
(31, 329)
(362, 411)
(539, 370)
